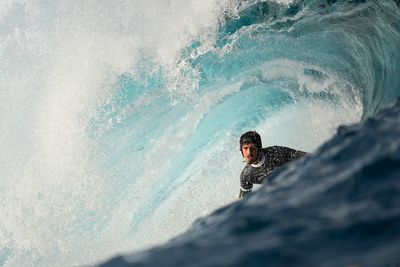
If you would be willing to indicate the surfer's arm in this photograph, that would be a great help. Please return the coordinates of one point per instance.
(299, 154)
(245, 186)
(244, 192)
(285, 154)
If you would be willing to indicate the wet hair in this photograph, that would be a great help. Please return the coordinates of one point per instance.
(250, 137)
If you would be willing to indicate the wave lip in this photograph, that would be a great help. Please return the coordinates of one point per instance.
(336, 207)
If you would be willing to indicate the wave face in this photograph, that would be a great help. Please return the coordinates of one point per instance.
(120, 121)
(337, 207)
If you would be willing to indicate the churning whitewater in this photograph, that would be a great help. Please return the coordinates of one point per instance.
(120, 121)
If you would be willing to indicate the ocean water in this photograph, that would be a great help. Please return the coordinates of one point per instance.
(120, 122)
(336, 207)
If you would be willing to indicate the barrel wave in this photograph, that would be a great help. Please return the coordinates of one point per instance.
(120, 125)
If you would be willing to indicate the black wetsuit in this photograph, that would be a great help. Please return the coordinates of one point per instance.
(272, 158)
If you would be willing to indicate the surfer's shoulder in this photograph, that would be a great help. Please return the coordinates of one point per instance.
(271, 149)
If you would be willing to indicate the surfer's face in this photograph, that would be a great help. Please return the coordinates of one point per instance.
(250, 153)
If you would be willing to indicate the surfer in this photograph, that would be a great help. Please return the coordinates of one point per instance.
(261, 161)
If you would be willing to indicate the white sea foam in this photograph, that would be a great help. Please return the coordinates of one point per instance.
(60, 60)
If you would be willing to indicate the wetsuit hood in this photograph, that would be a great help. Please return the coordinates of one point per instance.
(250, 137)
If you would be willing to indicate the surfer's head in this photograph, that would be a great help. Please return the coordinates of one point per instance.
(250, 146)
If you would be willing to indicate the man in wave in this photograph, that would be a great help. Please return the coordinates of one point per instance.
(261, 161)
